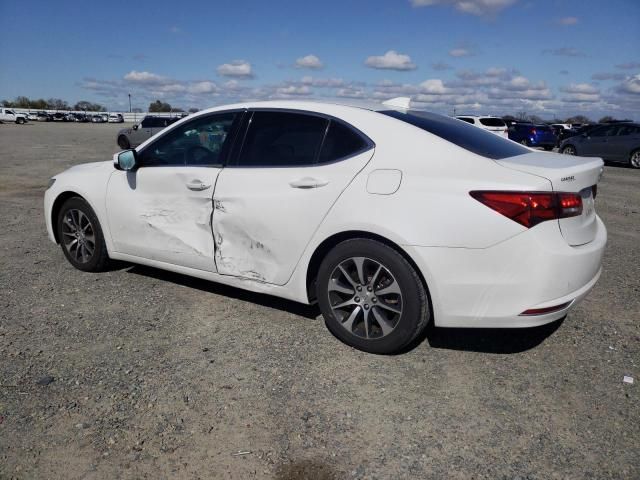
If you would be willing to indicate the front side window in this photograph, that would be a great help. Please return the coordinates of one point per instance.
(476, 140)
(607, 131)
(199, 142)
(629, 130)
(466, 119)
(282, 139)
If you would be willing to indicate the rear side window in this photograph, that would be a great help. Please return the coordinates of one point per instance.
(473, 139)
(340, 142)
(146, 122)
(282, 139)
(629, 130)
(492, 122)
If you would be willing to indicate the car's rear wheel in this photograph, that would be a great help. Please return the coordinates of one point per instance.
(634, 159)
(524, 142)
(568, 150)
(81, 236)
(371, 297)
(123, 142)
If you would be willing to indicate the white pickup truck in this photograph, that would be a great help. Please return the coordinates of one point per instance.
(8, 115)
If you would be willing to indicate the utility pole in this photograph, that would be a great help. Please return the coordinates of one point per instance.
(129, 103)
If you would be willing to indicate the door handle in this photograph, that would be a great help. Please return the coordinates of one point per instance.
(308, 182)
(197, 185)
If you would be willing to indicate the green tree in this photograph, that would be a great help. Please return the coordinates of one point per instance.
(193, 110)
(578, 119)
(40, 104)
(7, 103)
(22, 102)
(57, 104)
(159, 106)
(88, 106)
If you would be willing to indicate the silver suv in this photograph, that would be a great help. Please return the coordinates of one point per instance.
(148, 127)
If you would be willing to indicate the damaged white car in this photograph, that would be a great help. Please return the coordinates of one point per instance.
(386, 216)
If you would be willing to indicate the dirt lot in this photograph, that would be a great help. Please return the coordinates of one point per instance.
(137, 373)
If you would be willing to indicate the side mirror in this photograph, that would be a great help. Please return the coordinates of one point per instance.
(126, 160)
(135, 127)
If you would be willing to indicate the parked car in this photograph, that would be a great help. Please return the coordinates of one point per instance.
(533, 135)
(9, 115)
(32, 116)
(614, 142)
(148, 127)
(97, 119)
(388, 218)
(44, 117)
(116, 118)
(493, 124)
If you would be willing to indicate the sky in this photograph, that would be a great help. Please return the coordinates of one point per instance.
(551, 58)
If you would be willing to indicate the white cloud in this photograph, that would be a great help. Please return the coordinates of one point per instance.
(434, 86)
(144, 77)
(628, 65)
(237, 68)
(202, 87)
(631, 85)
(564, 52)
(580, 88)
(294, 90)
(309, 61)
(568, 21)
(460, 52)
(472, 7)
(391, 60)
(441, 66)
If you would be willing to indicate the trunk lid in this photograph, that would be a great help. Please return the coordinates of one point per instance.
(566, 173)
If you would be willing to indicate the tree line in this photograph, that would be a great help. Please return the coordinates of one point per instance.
(52, 104)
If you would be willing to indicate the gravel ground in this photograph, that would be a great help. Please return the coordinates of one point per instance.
(138, 373)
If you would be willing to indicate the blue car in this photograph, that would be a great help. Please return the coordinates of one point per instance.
(533, 135)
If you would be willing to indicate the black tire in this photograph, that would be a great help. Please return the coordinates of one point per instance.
(92, 234)
(524, 142)
(569, 150)
(123, 142)
(413, 300)
(20, 121)
(634, 159)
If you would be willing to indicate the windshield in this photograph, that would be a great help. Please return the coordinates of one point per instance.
(473, 139)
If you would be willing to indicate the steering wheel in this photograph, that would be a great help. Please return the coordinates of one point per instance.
(199, 155)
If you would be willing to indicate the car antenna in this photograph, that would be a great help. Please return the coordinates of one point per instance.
(403, 103)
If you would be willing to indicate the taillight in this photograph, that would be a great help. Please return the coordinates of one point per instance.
(533, 131)
(531, 208)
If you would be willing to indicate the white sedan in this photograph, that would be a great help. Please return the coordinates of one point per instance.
(388, 217)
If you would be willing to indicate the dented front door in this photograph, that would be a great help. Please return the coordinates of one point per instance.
(164, 214)
(265, 217)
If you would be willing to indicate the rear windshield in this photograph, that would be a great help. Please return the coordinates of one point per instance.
(476, 140)
(492, 122)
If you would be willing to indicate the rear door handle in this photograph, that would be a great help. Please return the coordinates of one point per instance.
(308, 182)
(197, 185)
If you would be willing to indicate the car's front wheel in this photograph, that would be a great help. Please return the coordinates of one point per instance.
(634, 159)
(371, 297)
(81, 236)
(123, 142)
(20, 121)
(568, 150)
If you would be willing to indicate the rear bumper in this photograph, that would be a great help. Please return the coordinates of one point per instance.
(492, 287)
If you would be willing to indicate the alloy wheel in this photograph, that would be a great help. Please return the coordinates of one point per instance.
(635, 159)
(365, 297)
(569, 150)
(78, 235)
